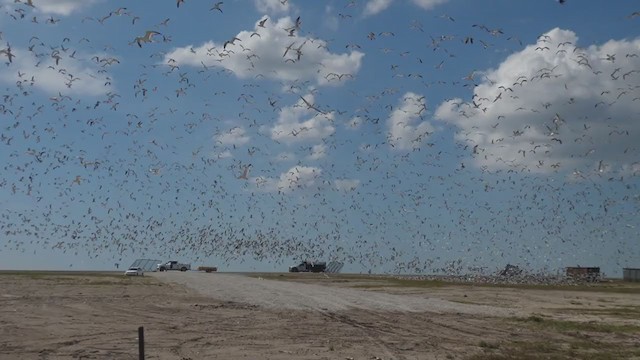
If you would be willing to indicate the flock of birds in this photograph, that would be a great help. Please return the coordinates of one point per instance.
(148, 163)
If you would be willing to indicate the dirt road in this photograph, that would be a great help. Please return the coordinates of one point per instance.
(287, 295)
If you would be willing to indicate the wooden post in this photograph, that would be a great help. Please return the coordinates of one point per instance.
(141, 343)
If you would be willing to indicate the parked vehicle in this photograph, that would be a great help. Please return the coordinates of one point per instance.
(174, 265)
(134, 271)
(309, 266)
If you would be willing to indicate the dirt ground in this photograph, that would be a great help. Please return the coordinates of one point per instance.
(308, 316)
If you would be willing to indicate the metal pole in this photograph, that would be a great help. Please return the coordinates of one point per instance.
(141, 343)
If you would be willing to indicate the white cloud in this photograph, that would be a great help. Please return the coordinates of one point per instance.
(226, 154)
(346, 184)
(428, 4)
(70, 77)
(57, 7)
(404, 132)
(298, 123)
(553, 107)
(296, 178)
(632, 169)
(236, 136)
(261, 53)
(318, 152)
(272, 6)
(63, 7)
(376, 6)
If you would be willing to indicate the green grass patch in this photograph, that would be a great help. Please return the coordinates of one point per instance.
(36, 274)
(613, 287)
(558, 350)
(488, 345)
(405, 283)
(78, 277)
(468, 302)
(358, 281)
(627, 312)
(576, 326)
(381, 281)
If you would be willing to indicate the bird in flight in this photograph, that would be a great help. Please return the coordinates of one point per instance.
(288, 48)
(147, 38)
(245, 173)
(7, 52)
(311, 106)
(217, 6)
(232, 42)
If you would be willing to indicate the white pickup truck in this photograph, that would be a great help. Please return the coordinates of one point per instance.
(173, 265)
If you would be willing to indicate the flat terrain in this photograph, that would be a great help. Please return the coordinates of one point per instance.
(52, 315)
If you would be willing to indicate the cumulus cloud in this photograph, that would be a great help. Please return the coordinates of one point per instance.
(296, 178)
(270, 52)
(318, 152)
(272, 6)
(57, 7)
(346, 184)
(405, 133)
(299, 123)
(428, 4)
(226, 154)
(236, 136)
(70, 77)
(554, 106)
(376, 6)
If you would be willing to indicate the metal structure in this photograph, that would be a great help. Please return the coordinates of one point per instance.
(146, 264)
(631, 274)
(334, 267)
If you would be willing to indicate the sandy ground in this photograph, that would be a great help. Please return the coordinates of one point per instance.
(288, 295)
(226, 316)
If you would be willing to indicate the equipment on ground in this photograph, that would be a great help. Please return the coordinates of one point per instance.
(207, 268)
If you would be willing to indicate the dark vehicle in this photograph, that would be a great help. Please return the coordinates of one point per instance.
(309, 266)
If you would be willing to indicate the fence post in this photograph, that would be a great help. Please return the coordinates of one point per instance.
(141, 343)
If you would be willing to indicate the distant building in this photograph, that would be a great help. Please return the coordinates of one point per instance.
(590, 274)
(630, 274)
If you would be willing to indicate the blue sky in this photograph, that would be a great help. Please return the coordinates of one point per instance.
(410, 136)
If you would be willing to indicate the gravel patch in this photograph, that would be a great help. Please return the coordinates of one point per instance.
(274, 294)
